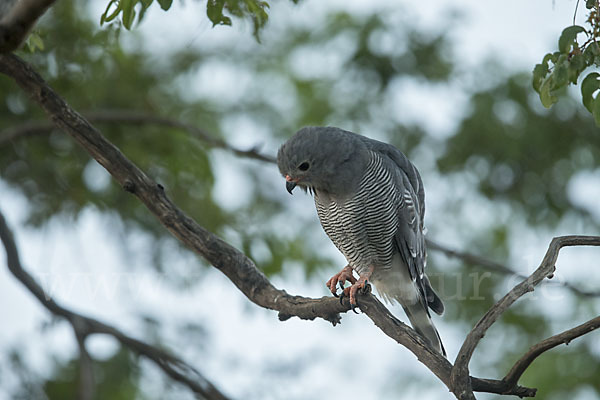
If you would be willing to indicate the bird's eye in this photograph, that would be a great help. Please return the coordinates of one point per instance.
(304, 166)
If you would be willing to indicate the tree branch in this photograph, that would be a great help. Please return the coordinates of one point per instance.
(84, 326)
(565, 337)
(86, 390)
(33, 128)
(134, 118)
(467, 257)
(18, 20)
(491, 265)
(460, 380)
(234, 264)
(244, 274)
(238, 268)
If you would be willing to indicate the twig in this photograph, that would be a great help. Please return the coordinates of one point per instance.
(235, 265)
(86, 390)
(472, 258)
(491, 265)
(140, 118)
(240, 269)
(15, 25)
(85, 326)
(134, 118)
(565, 337)
(460, 371)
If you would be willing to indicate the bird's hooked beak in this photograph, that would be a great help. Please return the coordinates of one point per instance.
(290, 184)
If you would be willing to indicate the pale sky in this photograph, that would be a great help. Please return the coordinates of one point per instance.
(250, 354)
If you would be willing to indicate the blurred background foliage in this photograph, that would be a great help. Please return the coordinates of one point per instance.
(505, 172)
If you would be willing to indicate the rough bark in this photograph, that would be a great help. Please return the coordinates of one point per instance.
(253, 283)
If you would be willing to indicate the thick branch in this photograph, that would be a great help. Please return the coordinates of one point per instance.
(238, 268)
(460, 371)
(85, 326)
(244, 274)
(18, 20)
(33, 128)
(440, 366)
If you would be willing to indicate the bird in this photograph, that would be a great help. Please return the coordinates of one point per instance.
(370, 201)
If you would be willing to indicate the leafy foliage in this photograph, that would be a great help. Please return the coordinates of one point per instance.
(563, 67)
(343, 69)
(256, 10)
(129, 10)
(34, 42)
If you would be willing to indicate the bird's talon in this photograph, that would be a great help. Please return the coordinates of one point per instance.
(354, 307)
(365, 288)
(341, 296)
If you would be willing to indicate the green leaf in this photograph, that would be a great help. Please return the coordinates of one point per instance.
(539, 74)
(105, 17)
(214, 11)
(596, 112)
(36, 41)
(165, 4)
(259, 15)
(553, 57)
(589, 4)
(145, 5)
(576, 66)
(591, 52)
(588, 87)
(546, 95)
(128, 12)
(560, 75)
(568, 38)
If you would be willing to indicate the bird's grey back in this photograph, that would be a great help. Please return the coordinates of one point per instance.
(402, 162)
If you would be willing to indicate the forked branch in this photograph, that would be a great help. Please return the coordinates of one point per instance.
(565, 337)
(84, 326)
(132, 117)
(242, 271)
(460, 380)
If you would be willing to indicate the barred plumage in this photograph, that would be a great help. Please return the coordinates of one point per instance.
(363, 226)
(370, 201)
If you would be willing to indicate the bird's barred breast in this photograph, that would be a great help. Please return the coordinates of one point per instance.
(363, 226)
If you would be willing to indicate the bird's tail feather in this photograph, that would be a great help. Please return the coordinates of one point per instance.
(421, 321)
(433, 300)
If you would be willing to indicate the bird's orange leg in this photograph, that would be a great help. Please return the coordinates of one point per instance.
(360, 284)
(341, 277)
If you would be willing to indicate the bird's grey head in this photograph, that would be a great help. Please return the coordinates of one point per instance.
(324, 159)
